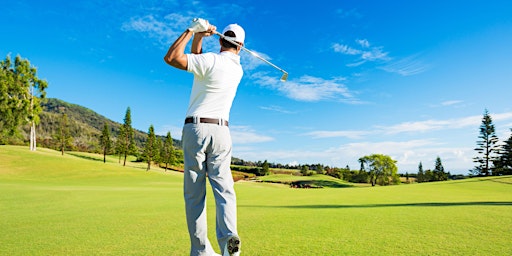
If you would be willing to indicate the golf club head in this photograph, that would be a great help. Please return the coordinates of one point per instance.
(284, 77)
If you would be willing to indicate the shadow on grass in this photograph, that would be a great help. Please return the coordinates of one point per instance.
(100, 159)
(318, 184)
(86, 157)
(312, 184)
(427, 204)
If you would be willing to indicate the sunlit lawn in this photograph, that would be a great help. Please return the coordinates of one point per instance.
(69, 205)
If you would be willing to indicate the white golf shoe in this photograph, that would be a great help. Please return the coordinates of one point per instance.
(232, 246)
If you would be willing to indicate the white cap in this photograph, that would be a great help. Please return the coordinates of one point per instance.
(239, 32)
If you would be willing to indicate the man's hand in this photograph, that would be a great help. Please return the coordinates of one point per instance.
(199, 25)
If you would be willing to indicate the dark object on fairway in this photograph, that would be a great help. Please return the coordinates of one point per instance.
(304, 184)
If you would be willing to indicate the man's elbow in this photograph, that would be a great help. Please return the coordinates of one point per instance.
(167, 60)
(175, 62)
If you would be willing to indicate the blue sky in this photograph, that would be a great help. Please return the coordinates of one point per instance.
(409, 79)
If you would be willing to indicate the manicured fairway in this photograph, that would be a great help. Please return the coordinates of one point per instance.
(68, 205)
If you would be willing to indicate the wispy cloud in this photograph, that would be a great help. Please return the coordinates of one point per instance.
(411, 127)
(407, 66)
(246, 135)
(250, 62)
(162, 30)
(365, 52)
(451, 102)
(331, 134)
(309, 88)
(279, 109)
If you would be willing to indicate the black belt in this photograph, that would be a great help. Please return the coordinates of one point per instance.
(189, 120)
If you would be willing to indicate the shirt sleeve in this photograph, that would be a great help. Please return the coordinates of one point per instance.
(199, 64)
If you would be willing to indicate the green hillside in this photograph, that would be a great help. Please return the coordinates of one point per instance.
(85, 126)
(68, 205)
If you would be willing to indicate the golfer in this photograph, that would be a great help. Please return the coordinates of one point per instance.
(206, 138)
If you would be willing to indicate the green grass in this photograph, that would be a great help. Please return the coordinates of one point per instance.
(68, 205)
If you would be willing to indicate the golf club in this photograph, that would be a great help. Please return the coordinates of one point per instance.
(285, 74)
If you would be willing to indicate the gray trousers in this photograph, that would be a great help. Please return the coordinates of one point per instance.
(207, 153)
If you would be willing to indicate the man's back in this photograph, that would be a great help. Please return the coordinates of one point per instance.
(216, 78)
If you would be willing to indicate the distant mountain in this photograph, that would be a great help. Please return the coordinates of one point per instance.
(85, 126)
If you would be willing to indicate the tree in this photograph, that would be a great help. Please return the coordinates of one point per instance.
(382, 169)
(421, 174)
(168, 151)
(119, 146)
(105, 142)
(20, 94)
(150, 149)
(304, 170)
(504, 159)
(158, 151)
(63, 137)
(265, 168)
(487, 147)
(126, 141)
(320, 169)
(438, 172)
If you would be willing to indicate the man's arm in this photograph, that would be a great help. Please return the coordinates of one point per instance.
(176, 54)
(197, 42)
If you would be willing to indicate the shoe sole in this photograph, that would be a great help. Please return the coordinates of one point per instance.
(233, 245)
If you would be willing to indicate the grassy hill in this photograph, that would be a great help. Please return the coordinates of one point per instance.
(85, 126)
(69, 205)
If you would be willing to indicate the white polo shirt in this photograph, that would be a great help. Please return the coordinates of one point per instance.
(216, 78)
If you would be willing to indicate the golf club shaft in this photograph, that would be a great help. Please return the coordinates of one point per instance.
(251, 52)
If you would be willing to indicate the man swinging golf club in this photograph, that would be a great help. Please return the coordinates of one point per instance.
(206, 138)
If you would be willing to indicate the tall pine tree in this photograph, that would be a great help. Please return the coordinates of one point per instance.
(168, 151)
(421, 174)
(126, 140)
(63, 136)
(487, 147)
(150, 149)
(105, 142)
(438, 172)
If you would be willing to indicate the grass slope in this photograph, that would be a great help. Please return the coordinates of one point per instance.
(69, 205)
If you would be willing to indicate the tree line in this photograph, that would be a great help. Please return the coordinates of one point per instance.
(156, 150)
(22, 93)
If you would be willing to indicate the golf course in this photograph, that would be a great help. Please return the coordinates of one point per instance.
(74, 204)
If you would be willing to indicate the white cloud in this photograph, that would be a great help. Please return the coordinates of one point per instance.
(165, 30)
(345, 49)
(162, 31)
(277, 109)
(406, 67)
(250, 62)
(332, 134)
(175, 131)
(363, 42)
(412, 127)
(308, 88)
(246, 135)
(365, 53)
(451, 102)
